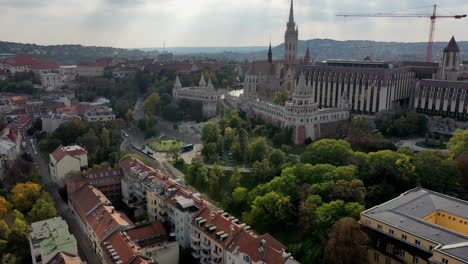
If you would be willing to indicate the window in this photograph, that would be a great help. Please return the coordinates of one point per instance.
(417, 242)
(390, 248)
(388, 261)
(431, 247)
(379, 227)
(404, 237)
(391, 231)
(376, 257)
(415, 259)
(444, 260)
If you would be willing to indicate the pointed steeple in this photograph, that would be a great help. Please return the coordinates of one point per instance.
(177, 83)
(291, 13)
(307, 56)
(452, 46)
(202, 82)
(270, 54)
(210, 85)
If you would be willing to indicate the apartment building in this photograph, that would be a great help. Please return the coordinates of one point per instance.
(49, 238)
(65, 160)
(212, 234)
(419, 226)
(114, 237)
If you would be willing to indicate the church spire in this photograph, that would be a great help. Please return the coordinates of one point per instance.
(202, 82)
(270, 54)
(307, 56)
(177, 83)
(291, 13)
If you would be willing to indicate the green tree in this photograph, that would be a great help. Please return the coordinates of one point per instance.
(328, 213)
(229, 138)
(271, 211)
(258, 149)
(262, 172)
(90, 141)
(210, 133)
(42, 210)
(4, 230)
(458, 143)
(349, 191)
(234, 181)
(331, 151)
(105, 136)
(435, 172)
(347, 243)
(277, 158)
(307, 210)
(214, 177)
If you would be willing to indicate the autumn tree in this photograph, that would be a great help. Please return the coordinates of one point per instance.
(347, 243)
(151, 104)
(458, 143)
(5, 207)
(25, 195)
(280, 98)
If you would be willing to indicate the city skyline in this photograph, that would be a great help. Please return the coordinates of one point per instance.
(209, 23)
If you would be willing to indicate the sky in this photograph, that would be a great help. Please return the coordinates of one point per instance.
(218, 23)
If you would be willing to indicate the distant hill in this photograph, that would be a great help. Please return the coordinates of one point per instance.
(320, 49)
(71, 54)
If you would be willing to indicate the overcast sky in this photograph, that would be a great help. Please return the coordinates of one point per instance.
(148, 23)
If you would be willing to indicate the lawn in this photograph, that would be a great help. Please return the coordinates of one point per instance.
(165, 145)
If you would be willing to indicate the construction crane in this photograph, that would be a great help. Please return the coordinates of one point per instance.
(432, 18)
(356, 49)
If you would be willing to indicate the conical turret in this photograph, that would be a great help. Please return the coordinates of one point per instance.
(177, 83)
(270, 54)
(307, 56)
(210, 85)
(202, 82)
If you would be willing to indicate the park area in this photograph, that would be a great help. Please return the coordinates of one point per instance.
(165, 145)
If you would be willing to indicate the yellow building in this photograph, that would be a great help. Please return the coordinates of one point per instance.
(419, 226)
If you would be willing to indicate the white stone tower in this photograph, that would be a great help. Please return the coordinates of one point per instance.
(291, 38)
(450, 65)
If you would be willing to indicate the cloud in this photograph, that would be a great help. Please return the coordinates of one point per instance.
(148, 23)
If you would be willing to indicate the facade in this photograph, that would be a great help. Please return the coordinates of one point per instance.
(203, 93)
(98, 113)
(19, 63)
(419, 226)
(50, 237)
(50, 81)
(67, 160)
(114, 237)
(68, 72)
(93, 68)
(446, 96)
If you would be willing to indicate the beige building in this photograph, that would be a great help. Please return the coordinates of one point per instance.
(65, 160)
(419, 226)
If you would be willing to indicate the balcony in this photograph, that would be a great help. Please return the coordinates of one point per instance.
(195, 245)
(196, 254)
(205, 253)
(194, 238)
(205, 261)
(206, 246)
(216, 254)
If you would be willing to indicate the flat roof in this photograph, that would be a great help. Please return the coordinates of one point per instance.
(406, 212)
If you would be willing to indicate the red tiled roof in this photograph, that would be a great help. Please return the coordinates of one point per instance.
(105, 220)
(140, 260)
(222, 223)
(12, 133)
(98, 63)
(61, 152)
(20, 60)
(87, 198)
(146, 231)
(23, 120)
(45, 65)
(123, 249)
(18, 98)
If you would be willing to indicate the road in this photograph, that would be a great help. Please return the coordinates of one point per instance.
(411, 143)
(85, 249)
